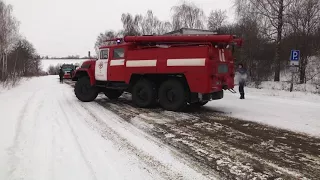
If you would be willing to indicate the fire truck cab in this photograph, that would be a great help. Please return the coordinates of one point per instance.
(173, 71)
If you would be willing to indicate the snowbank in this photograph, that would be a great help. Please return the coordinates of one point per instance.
(285, 86)
(7, 85)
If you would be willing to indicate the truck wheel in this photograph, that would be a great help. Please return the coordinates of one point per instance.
(84, 91)
(198, 104)
(113, 94)
(173, 96)
(144, 94)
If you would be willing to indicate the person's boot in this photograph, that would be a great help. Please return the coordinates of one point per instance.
(241, 95)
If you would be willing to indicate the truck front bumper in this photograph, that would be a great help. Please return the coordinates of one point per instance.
(67, 76)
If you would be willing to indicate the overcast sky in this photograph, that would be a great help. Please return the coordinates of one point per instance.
(70, 27)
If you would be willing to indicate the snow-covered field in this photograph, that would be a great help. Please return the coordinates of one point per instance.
(47, 62)
(48, 134)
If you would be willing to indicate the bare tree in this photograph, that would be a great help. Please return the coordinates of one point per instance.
(131, 24)
(150, 24)
(23, 60)
(274, 13)
(187, 15)
(109, 34)
(54, 70)
(8, 33)
(313, 70)
(217, 19)
(134, 25)
(304, 20)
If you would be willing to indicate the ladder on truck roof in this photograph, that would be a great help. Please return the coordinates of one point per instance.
(153, 40)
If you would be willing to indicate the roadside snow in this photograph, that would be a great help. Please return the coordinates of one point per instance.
(295, 111)
(285, 86)
(48, 134)
(283, 94)
(7, 85)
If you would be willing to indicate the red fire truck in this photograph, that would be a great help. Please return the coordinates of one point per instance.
(173, 71)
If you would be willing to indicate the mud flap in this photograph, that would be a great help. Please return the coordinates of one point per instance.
(217, 95)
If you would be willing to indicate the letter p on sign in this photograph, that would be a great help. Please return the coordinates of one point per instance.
(294, 57)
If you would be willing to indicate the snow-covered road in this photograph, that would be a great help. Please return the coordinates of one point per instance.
(46, 133)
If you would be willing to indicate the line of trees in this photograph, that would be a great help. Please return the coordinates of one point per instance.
(67, 57)
(18, 57)
(270, 29)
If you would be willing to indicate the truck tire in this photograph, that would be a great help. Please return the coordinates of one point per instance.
(84, 91)
(173, 96)
(198, 104)
(144, 93)
(113, 94)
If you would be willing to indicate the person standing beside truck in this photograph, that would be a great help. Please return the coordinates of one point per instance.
(61, 73)
(242, 77)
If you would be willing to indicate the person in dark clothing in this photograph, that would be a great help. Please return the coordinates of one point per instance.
(61, 73)
(242, 77)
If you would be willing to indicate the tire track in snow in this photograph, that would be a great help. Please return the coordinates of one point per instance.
(12, 151)
(86, 161)
(90, 121)
(53, 142)
(23, 138)
(99, 125)
(123, 145)
(108, 132)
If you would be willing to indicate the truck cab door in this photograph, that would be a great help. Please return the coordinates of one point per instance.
(101, 68)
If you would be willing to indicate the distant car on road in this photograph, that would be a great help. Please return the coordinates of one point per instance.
(68, 70)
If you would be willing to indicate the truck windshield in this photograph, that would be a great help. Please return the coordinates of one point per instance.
(67, 67)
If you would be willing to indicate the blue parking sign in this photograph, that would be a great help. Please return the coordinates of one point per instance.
(295, 57)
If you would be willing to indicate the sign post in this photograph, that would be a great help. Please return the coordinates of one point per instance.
(294, 64)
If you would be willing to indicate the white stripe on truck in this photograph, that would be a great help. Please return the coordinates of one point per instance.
(117, 62)
(153, 62)
(141, 63)
(187, 62)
